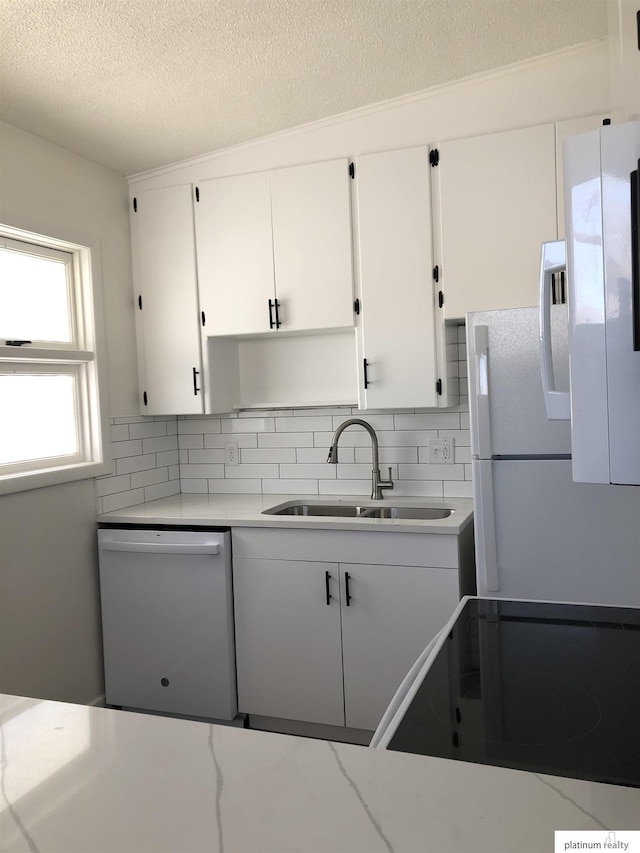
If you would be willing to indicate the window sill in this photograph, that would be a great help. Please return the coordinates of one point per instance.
(24, 481)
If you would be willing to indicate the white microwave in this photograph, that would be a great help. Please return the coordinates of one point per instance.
(602, 222)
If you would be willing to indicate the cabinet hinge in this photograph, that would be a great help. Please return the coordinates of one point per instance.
(197, 193)
(352, 170)
(140, 301)
(135, 205)
(203, 318)
(144, 398)
(440, 299)
(436, 273)
(434, 156)
(439, 386)
(356, 306)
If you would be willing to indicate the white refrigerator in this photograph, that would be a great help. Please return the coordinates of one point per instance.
(539, 535)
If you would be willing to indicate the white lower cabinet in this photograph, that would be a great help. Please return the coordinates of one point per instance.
(393, 612)
(289, 654)
(330, 641)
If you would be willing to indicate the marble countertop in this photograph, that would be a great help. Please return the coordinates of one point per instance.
(78, 779)
(247, 511)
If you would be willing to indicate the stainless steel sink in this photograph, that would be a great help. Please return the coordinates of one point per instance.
(408, 512)
(335, 510)
(351, 511)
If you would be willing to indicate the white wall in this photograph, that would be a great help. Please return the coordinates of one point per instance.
(49, 606)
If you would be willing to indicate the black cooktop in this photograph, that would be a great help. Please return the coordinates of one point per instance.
(549, 688)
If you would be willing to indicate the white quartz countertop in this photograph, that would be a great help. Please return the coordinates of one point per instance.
(247, 511)
(78, 779)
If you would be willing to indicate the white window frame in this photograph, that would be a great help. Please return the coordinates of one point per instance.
(82, 357)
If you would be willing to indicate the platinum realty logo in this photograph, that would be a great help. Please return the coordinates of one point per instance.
(626, 840)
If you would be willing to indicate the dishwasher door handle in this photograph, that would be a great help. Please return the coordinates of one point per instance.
(159, 547)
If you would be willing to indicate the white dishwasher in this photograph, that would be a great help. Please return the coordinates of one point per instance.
(167, 621)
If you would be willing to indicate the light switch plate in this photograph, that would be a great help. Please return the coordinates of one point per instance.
(440, 451)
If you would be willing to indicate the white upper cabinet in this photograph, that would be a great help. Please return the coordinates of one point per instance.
(396, 334)
(167, 301)
(235, 254)
(312, 250)
(274, 250)
(495, 203)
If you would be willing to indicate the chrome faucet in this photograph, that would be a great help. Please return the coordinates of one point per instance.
(377, 485)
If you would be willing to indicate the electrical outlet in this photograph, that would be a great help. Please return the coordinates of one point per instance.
(440, 451)
(231, 453)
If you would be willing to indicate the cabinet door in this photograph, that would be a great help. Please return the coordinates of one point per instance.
(235, 254)
(167, 302)
(565, 129)
(395, 263)
(312, 245)
(495, 199)
(288, 647)
(392, 614)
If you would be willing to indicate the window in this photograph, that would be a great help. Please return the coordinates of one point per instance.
(50, 423)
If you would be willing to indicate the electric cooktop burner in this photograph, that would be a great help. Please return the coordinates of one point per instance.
(549, 688)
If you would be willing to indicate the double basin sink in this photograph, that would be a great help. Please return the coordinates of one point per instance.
(339, 510)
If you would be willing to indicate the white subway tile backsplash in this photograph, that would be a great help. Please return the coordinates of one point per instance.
(388, 455)
(119, 432)
(432, 420)
(228, 487)
(286, 439)
(352, 472)
(204, 470)
(149, 430)
(241, 439)
(304, 424)
(234, 472)
(378, 422)
(193, 487)
(199, 426)
(149, 478)
(308, 471)
(162, 490)
(111, 485)
(198, 457)
(458, 489)
(135, 463)
(289, 487)
(267, 454)
(190, 442)
(121, 500)
(249, 425)
(344, 487)
(431, 472)
(417, 489)
(318, 455)
(154, 445)
(284, 452)
(126, 448)
(167, 457)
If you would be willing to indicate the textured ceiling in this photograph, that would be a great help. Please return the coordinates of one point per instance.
(135, 84)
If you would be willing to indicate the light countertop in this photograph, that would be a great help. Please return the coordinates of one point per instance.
(77, 779)
(247, 511)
